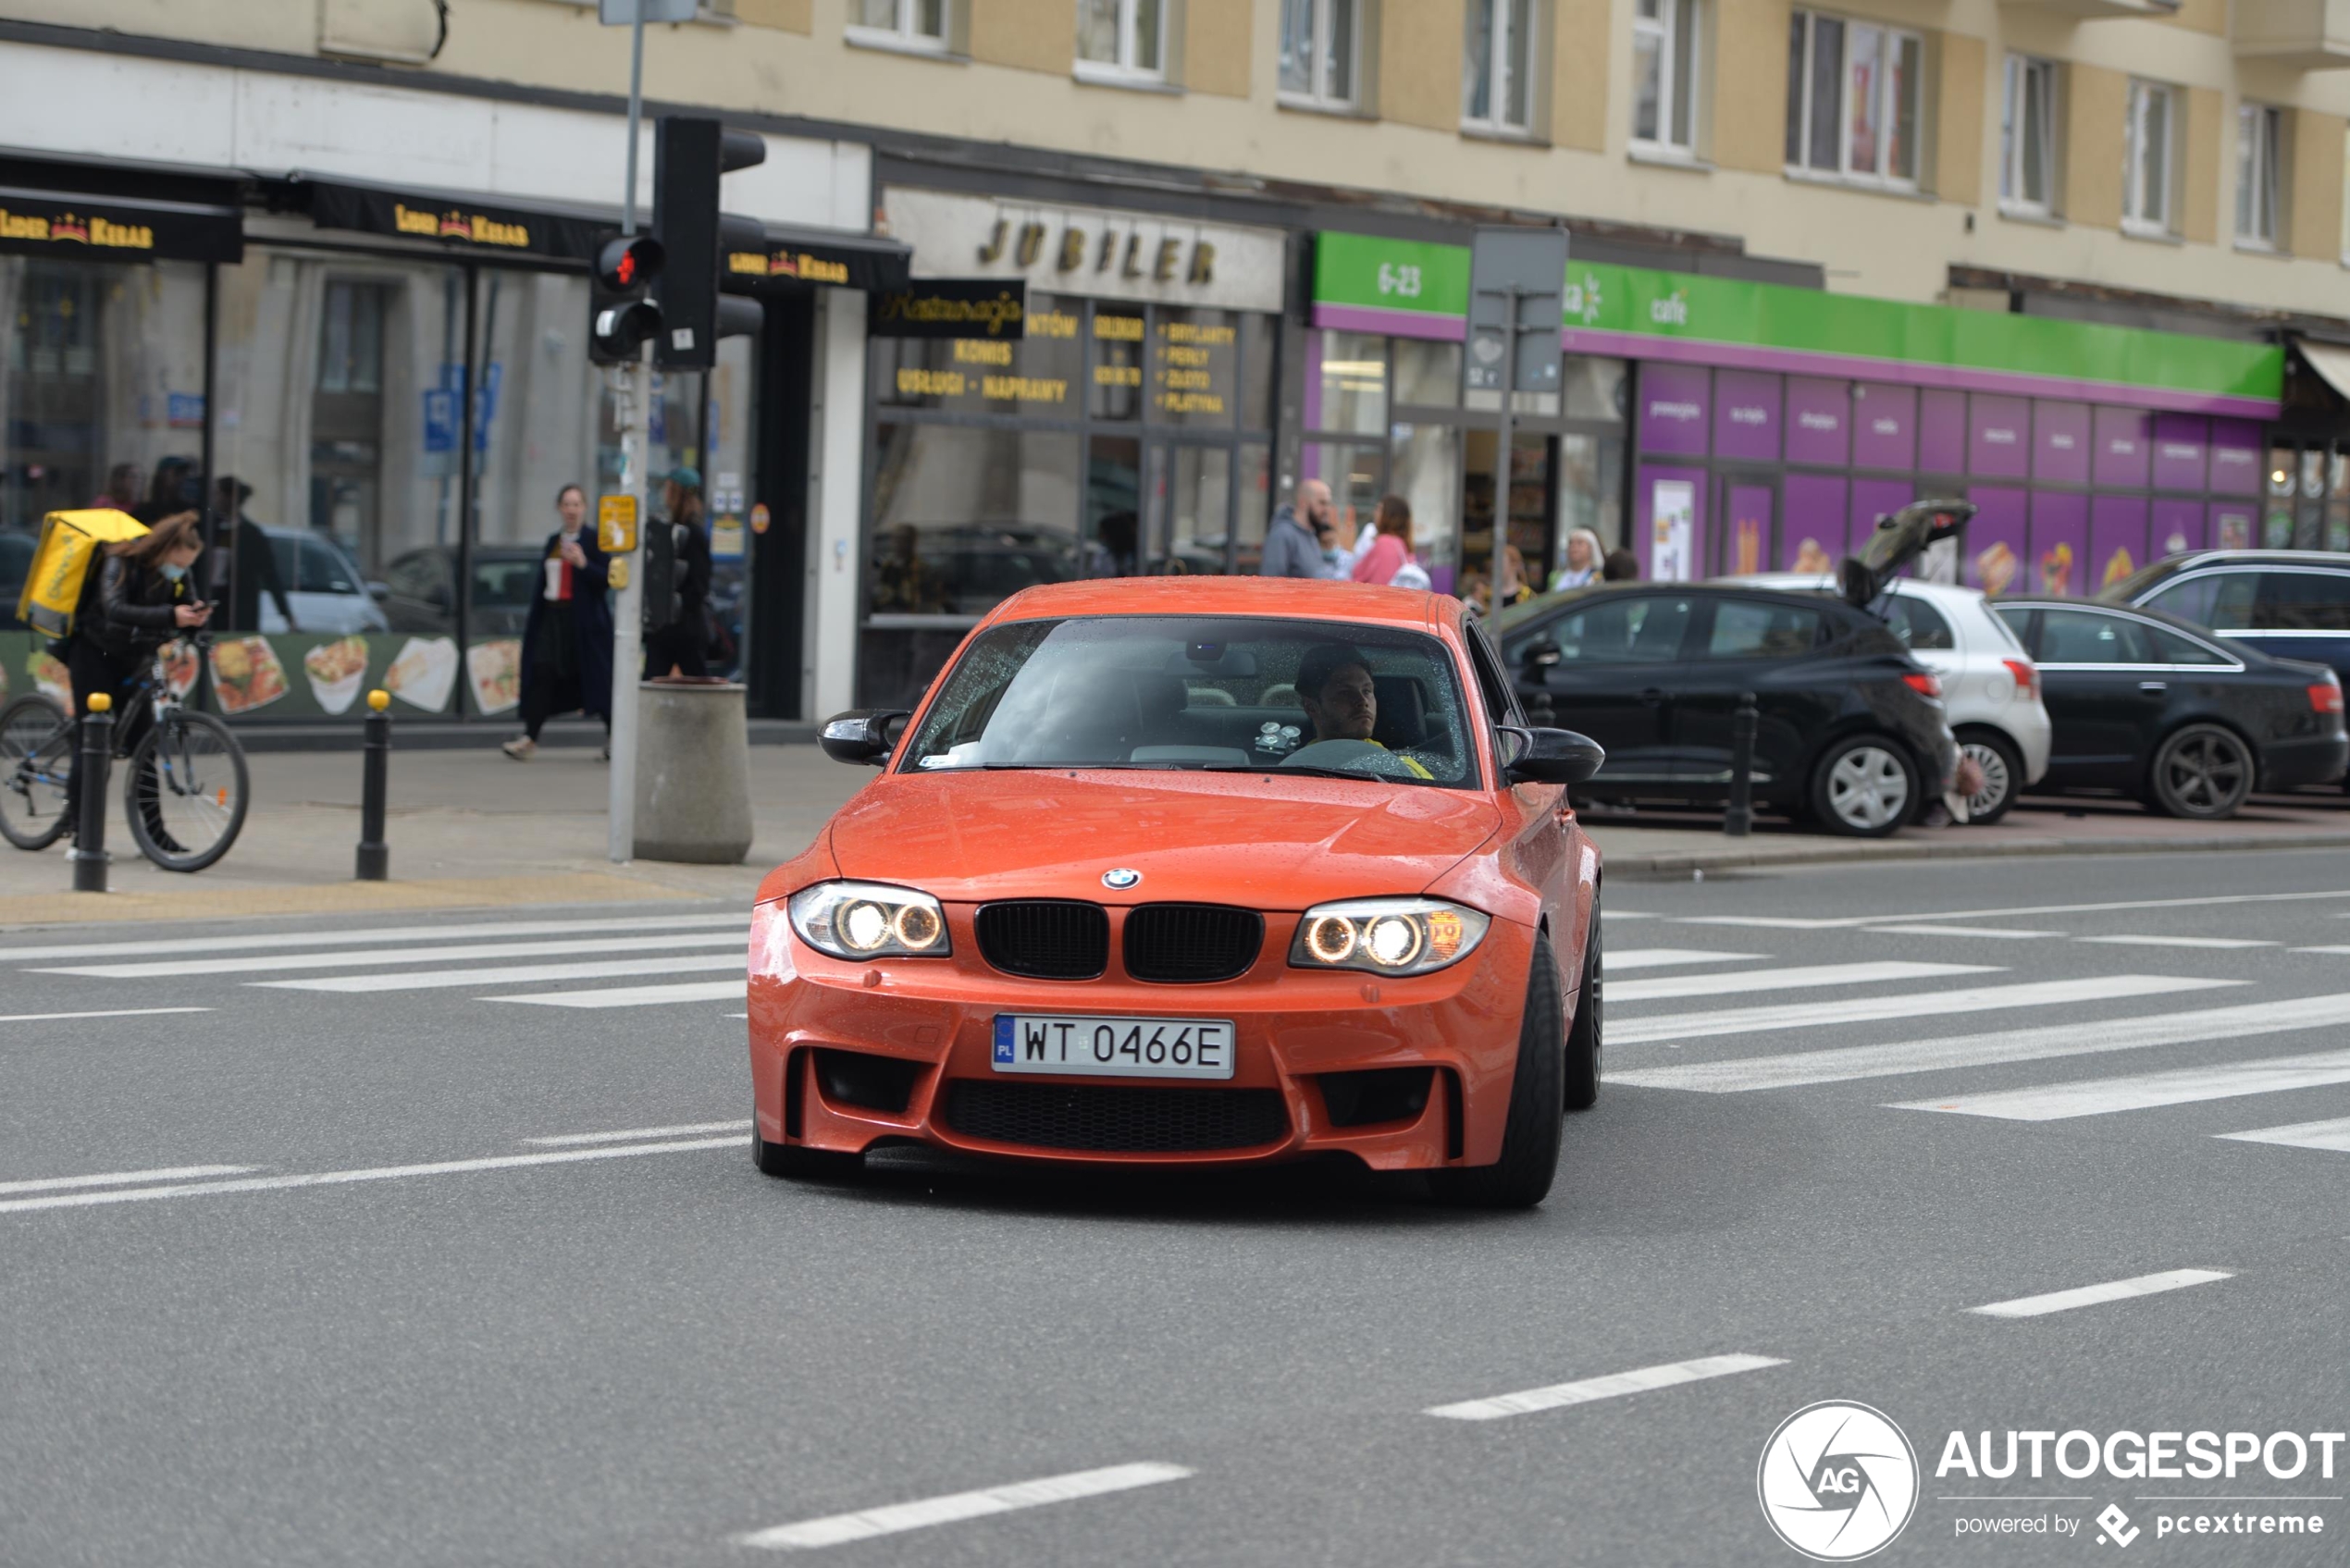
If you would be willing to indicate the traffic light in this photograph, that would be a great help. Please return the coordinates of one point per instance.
(621, 318)
(689, 155)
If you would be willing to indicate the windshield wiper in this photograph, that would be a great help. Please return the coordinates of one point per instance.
(1310, 771)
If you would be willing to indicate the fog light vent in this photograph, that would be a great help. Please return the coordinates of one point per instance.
(1360, 1099)
(876, 1083)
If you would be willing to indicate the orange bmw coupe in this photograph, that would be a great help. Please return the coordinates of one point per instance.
(1193, 870)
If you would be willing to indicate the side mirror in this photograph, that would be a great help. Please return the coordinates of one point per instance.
(861, 734)
(1542, 656)
(379, 591)
(1554, 757)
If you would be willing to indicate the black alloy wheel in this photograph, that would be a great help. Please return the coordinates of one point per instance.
(2203, 772)
(1530, 1136)
(2002, 767)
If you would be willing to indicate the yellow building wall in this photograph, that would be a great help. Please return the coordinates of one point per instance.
(1958, 120)
(2096, 102)
(2199, 162)
(2314, 209)
(1025, 34)
(1581, 48)
(1749, 103)
(784, 15)
(1218, 37)
(1420, 63)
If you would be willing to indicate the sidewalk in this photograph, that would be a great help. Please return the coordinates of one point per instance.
(470, 829)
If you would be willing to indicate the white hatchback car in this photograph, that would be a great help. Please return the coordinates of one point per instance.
(1988, 683)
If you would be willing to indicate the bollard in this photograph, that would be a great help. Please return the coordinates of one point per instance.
(89, 857)
(1739, 820)
(375, 855)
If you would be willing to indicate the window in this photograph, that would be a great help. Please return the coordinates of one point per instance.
(1852, 99)
(2221, 601)
(2148, 142)
(2088, 636)
(2259, 141)
(918, 24)
(1497, 82)
(2177, 649)
(2027, 137)
(1318, 53)
(2304, 601)
(1664, 62)
(1122, 40)
(1643, 630)
(1745, 628)
(1918, 624)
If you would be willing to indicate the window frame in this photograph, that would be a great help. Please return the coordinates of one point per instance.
(2261, 157)
(1890, 39)
(2015, 102)
(2142, 93)
(1123, 71)
(1321, 65)
(1501, 75)
(904, 34)
(1665, 28)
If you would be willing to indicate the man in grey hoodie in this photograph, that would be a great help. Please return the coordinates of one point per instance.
(1294, 546)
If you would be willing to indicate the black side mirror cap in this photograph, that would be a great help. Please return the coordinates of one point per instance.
(1543, 655)
(861, 734)
(1554, 757)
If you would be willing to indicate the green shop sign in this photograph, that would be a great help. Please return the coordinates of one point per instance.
(1417, 289)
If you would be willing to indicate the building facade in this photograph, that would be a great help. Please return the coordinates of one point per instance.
(2081, 261)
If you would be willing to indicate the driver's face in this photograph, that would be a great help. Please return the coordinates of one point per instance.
(1348, 708)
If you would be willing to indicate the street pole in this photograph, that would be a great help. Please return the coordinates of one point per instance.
(1513, 296)
(630, 385)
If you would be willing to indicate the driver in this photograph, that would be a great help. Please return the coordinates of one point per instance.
(1335, 689)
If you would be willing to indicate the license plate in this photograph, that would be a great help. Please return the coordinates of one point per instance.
(1099, 1047)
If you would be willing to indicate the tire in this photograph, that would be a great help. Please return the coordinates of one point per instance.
(1530, 1135)
(1581, 1071)
(186, 791)
(799, 1164)
(2002, 775)
(36, 752)
(2203, 772)
(1865, 786)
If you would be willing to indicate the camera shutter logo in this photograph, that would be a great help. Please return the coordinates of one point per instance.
(1838, 1481)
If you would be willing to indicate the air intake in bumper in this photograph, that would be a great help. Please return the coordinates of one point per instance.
(1116, 1120)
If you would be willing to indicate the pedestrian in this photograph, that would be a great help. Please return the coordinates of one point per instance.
(680, 647)
(124, 483)
(1515, 589)
(1292, 544)
(566, 641)
(1390, 550)
(1585, 558)
(247, 565)
(1621, 566)
(139, 599)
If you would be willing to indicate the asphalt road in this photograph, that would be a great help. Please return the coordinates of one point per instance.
(497, 1335)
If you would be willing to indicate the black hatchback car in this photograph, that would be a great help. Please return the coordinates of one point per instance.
(2155, 707)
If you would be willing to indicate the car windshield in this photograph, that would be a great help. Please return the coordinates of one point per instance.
(1202, 694)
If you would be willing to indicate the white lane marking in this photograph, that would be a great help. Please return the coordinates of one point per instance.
(2139, 1092)
(124, 1177)
(2332, 950)
(1792, 923)
(2095, 1295)
(635, 995)
(373, 1173)
(1660, 957)
(2003, 934)
(458, 953)
(102, 1013)
(2334, 1135)
(1796, 1069)
(431, 980)
(837, 1528)
(2221, 943)
(1632, 915)
(1908, 1004)
(1802, 979)
(687, 1130)
(361, 937)
(1769, 923)
(1638, 1380)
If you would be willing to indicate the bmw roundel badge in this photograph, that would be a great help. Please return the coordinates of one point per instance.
(1121, 877)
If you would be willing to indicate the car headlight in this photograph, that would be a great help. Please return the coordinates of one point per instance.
(869, 919)
(1393, 936)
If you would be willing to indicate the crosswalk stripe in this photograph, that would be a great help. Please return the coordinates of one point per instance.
(1800, 1068)
(2138, 1092)
(634, 995)
(2098, 1295)
(2001, 933)
(356, 937)
(1908, 1004)
(2334, 1135)
(1785, 979)
(1660, 957)
(440, 979)
(1638, 1380)
(456, 953)
(2217, 943)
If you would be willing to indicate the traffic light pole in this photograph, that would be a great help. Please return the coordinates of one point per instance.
(629, 386)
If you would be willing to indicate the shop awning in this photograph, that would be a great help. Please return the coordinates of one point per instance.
(460, 222)
(801, 257)
(116, 228)
(2328, 359)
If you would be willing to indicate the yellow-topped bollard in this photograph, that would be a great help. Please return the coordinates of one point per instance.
(375, 856)
(89, 855)
(380, 700)
(101, 703)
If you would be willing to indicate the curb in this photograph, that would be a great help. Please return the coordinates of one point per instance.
(1682, 863)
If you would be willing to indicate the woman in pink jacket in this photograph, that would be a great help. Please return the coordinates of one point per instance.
(1392, 551)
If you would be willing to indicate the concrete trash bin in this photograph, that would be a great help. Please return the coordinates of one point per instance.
(693, 773)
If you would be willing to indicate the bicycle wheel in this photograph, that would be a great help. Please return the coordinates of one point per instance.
(36, 760)
(186, 791)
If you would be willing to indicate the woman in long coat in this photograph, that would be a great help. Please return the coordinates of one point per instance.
(566, 642)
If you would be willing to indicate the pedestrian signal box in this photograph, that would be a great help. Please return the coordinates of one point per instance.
(622, 319)
(616, 524)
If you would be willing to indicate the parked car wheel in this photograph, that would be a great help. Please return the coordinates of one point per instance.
(1865, 787)
(2202, 771)
(2002, 767)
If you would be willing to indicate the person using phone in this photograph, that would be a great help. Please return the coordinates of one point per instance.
(139, 599)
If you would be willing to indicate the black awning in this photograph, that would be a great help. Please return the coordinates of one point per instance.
(116, 228)
(458, 222)
(799, 258)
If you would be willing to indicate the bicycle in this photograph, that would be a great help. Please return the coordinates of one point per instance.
(185, 791)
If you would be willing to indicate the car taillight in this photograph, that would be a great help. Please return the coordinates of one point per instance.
(2027, 678)
(1923, 684)
(2326, 698)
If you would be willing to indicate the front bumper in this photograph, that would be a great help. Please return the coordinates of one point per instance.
(933, 1021)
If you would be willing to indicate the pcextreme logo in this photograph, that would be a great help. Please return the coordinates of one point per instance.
(1838, 1481)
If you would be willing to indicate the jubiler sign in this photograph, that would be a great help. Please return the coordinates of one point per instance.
(1092, 251)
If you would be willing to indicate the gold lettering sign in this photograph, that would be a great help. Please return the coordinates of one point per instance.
(23, 226)
(1023, 389)
(1117, 376)
(1191, 402)
(914, 382)
(999, 315)
(973, 351)
(1052, 324)
(472, 228)
(751, 263)
(1025, 246)
(68, 229)
(1118, 328)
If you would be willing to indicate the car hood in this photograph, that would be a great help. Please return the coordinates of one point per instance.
(1268, 843)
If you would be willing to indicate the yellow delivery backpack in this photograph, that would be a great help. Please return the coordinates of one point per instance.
(63, 561)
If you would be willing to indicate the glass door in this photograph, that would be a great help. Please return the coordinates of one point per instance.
(1190, 529)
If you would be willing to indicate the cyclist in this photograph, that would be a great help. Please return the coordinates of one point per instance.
(140, 598)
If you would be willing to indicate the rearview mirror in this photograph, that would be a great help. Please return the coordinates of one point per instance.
(1554, 757)
(861, 734)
